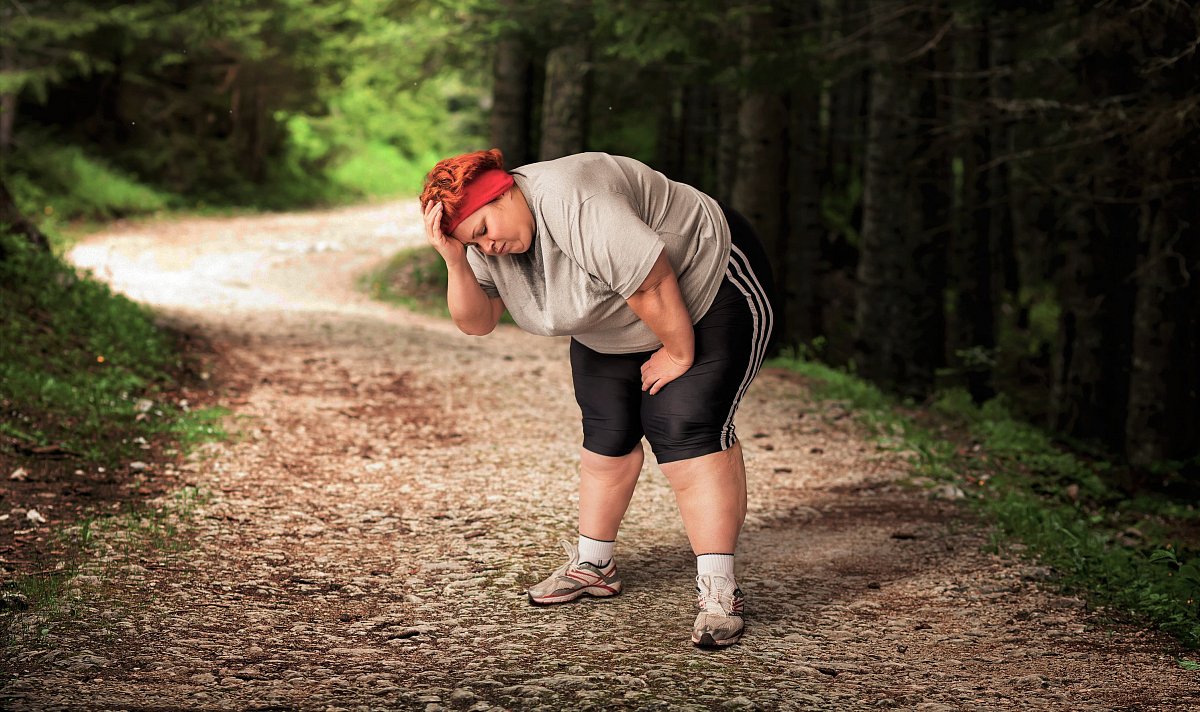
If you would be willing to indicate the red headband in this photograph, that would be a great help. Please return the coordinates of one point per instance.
(480, 191)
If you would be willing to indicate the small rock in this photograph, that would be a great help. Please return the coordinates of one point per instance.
(739, 703)
(948, 491)
(14, 601)
(462, 696)
(203, 678)
(138, 466)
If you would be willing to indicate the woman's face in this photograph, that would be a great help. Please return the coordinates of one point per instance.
(503, 226)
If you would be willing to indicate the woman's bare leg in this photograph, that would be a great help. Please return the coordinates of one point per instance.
(605, 487)
(711, 493)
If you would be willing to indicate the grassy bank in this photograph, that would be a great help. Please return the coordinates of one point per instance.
(99, 404)
(1138, 554)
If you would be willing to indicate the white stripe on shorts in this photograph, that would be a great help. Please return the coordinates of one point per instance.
(742, 276)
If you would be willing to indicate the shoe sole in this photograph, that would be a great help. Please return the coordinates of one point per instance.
(594, 591)
(707, 641)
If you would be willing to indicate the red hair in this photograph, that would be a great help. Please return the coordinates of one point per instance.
(447, 182)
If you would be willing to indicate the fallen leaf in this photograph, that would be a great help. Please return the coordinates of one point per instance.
(33, 516)
(19, 474)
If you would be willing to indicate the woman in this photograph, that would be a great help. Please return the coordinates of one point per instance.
(665, 294)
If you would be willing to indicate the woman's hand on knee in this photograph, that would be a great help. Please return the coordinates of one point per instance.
(660, 370)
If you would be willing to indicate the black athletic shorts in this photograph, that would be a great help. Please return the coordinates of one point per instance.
(692, 415)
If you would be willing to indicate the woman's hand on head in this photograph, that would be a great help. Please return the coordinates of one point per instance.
(451, 250)
(660, 370)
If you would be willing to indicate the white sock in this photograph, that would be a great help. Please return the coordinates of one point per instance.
(595, 551)
(715, 564)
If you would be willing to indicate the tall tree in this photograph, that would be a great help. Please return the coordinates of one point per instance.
(899, 319)
(1095, 287)
(759, 188)
(1164, 406)
(512, 92)
(567, 94)
(805, 165)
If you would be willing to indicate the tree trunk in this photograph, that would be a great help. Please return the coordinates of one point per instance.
(698, 140)
(1161, 423)
(728, 102)
(760, 183)
(1096, 292)
(667, 138)
(846, 138)
(805, 225)
(899, 323)
(1091, 371)
(973, 340)
(512, 110)
(566, 99)
(12, 221)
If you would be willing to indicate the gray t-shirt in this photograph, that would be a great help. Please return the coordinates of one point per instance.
(600, 222)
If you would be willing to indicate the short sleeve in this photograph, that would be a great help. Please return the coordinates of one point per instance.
(483, 275)
(612, 243)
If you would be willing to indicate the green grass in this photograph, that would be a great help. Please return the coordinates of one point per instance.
(1135, 554)
(416, 279)
(84, 369)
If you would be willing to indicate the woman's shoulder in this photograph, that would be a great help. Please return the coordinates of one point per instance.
(573, 180)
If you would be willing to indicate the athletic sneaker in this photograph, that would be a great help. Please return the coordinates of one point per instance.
(574, 579)
(721, 603)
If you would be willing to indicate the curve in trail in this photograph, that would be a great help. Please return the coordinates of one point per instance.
(395, 486)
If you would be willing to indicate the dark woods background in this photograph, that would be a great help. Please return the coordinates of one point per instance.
(994, 196)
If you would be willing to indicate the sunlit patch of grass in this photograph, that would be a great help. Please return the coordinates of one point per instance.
(415, 278)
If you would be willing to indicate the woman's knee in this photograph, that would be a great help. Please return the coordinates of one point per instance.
(610, 467)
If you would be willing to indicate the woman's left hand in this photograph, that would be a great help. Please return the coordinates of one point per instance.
(660, 370)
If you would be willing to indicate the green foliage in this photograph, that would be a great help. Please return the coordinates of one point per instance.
(80, 367)
(59, 183)
(260, 103)
(415, 278)
(1121, 552)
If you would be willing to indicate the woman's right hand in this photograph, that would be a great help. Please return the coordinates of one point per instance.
(451, 250)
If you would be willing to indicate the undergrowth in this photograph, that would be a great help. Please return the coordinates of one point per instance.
(1139, 554)
(83, 370)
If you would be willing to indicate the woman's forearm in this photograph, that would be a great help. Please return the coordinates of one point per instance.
(470, 307)
(659, 304)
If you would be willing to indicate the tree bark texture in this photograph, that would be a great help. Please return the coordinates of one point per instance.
(760, 183)
(728, 103)
(805, 225)
(565, 101)
(512, 110)
(899, 322)
(1162, 418)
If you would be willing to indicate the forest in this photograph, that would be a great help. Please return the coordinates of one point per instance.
(982, 216)
(991, 197)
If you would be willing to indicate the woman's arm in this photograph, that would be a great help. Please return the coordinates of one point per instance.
(471, 309)
(659, 303)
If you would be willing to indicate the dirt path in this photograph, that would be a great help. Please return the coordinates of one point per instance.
(396, 485)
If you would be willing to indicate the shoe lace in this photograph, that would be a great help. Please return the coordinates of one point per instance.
(715, 594)
(572, 558)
